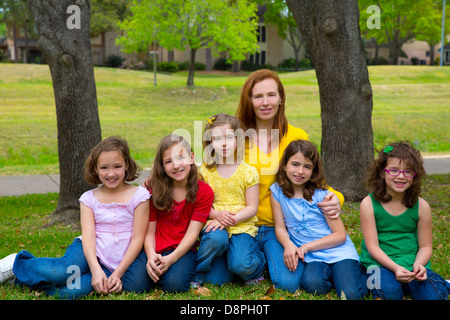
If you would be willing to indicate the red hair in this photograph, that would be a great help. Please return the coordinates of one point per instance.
(245, 111)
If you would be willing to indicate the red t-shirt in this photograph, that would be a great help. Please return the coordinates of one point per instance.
(173, 224)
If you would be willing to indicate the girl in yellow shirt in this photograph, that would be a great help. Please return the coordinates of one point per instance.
(227, 243)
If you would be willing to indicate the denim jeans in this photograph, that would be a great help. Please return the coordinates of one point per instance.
(179, 276)
(220, 257)
(345, 276)
(266, 241)
(69, 277)
(212, 259)
(384, 285)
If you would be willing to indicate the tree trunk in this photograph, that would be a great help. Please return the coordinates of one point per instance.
(332, 34)
(68, 53)
(190, 80)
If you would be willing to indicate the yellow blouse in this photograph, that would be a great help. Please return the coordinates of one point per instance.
(229, 194)
(267, 166)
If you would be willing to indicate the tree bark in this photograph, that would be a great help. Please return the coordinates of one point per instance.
(190, 80)
(68, 53)
(332, 34)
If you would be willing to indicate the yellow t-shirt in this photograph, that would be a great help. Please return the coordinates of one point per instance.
(267, 166)
(229, 194)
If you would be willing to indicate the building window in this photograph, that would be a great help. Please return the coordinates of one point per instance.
(259, 58)
(261, 36)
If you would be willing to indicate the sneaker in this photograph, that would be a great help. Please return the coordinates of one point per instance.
(254, 281)
(6, 268)
(195, 285)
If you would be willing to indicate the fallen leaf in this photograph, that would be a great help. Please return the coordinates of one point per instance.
(203, 291)
(270, 291)
(265, 298)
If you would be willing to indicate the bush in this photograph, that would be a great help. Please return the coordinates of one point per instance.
(114, 61)
(167, 66)
(221, 64)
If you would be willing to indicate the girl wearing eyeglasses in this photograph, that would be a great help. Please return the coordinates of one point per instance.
(396, 225)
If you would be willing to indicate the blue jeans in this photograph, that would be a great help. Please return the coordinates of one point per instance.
(179, 276)
(243, 257)
(384, 285)
(266, 241)
(345, 276)
(219, 257)
(212, 260)
(69, 277)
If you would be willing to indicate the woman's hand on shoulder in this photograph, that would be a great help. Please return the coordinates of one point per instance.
(330, 205)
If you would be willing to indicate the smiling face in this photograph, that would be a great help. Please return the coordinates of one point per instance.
(265, 99)
(299, 169)
(177, 162)
(400, 183)
(111, 168)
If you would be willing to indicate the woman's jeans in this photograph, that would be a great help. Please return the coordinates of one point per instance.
(69, 277)
(346, 276)
(384, 285)
(219, 257)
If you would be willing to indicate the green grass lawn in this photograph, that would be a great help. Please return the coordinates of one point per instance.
(410, 102)
(23, 227)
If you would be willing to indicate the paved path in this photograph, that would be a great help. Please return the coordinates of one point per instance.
(20, 185)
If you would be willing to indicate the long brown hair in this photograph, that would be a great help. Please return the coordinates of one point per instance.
(412, 159)
(245, 111)
(317, 181)
(161, 184)
(110, 144)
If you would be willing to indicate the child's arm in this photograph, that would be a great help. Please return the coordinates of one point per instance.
(424, 234)
(99, 279)
(140, 224)
(336, 238)
(290, 255)
(154, 260)
(370, 234)
(251, 204)
(186, 244)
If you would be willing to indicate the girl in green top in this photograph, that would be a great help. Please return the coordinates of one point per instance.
(396, 225)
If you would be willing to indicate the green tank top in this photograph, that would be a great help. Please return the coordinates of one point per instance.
(397, 236)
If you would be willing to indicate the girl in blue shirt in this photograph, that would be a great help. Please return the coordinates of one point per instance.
(316, 247)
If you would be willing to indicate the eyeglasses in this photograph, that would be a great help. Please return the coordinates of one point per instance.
(396, 172)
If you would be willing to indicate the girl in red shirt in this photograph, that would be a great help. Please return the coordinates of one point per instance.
(179, 208)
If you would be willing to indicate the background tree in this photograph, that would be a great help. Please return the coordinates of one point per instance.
(429, 26)
(279, 15)
(398, 23)
(68, 53)
(229, 25)
(16, 15)
(332, 34)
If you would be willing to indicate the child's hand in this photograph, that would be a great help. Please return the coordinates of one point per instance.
(226, 218)
(99, 281)
(302, 251)
(153, 266)
(420, 272)
(403, 275)
(290, 257)
(214, 225)
(114, 283)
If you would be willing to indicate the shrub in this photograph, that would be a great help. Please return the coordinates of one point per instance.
(114, 61)
(167, 66)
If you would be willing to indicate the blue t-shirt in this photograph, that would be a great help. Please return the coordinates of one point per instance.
(305, 222)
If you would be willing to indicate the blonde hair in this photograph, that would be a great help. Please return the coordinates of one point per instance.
(209, 155)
